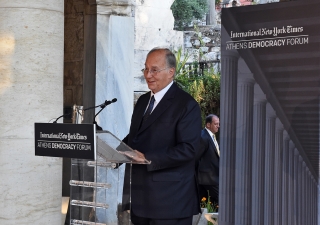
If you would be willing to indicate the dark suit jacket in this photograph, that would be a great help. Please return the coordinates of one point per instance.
(166, 188)
(208, 171)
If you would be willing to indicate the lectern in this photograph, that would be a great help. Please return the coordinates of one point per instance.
(96, 185)
(96, 169)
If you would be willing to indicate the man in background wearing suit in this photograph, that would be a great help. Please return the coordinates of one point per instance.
(165, 129)
(208, 170)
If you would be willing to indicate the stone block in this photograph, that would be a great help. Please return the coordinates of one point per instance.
(196, 43)
(115, 60)
(193, 54)
(73, 73)
(150, 17)
(204, 49)
(150, 37)
(138, 78)
(163, 4)
(209, 56)
(34, 4)
(206, 39)
(124, 10)
(74, 39)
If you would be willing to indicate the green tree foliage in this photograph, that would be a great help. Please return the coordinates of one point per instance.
(185, 11)
(204, 88)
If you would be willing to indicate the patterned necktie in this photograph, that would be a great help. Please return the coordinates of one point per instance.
(216, 143)
(149, 109)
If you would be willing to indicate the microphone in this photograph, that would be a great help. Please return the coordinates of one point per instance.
(103, 105)
(107, 102)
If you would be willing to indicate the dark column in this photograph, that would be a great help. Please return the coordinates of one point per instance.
(285, 179)
(278, 170)
(269, 167)
(243, 173)
(229, 70)
(258, 155)
(89, 61)
(291, 219)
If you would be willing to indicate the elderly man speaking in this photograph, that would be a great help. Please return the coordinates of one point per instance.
(165, 129)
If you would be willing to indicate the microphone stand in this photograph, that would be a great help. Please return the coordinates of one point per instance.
(103, 105)
(68, 114)
(60, 117)
(94, 119)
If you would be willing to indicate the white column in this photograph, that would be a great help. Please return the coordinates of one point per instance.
(229, 70)
(278, 170)
(211, 18)
(31, 90)
(114, 79)
(243, 174)
(258, 155)
(114, 65)
(285, 179)
(269, 166)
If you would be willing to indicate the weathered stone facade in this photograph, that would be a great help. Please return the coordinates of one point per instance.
(73, 52)
(152, 29)
(203, 43)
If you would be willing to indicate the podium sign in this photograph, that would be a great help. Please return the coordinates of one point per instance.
(65, 140)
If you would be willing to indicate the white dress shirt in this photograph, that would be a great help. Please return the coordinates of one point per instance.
(159, 95)
(214, 140)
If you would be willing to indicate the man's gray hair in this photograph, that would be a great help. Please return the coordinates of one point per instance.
(170, 57)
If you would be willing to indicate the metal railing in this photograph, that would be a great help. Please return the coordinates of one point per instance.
(198, 68)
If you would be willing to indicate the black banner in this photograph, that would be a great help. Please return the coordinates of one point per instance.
(65, 140)
(276, 48)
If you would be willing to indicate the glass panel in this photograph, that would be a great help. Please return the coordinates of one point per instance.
(96, 186)
(80, 193)
(112, 149)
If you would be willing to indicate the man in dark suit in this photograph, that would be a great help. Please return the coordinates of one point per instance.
(165, 191)
(208, 170)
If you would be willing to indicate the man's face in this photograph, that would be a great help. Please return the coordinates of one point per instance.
(158, 80)
(214, 125)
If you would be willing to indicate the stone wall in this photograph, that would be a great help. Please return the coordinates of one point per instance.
(202, 43)
(153, 27)
(31, 68)
(73, 53)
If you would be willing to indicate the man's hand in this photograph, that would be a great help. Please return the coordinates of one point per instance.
(135, 156)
